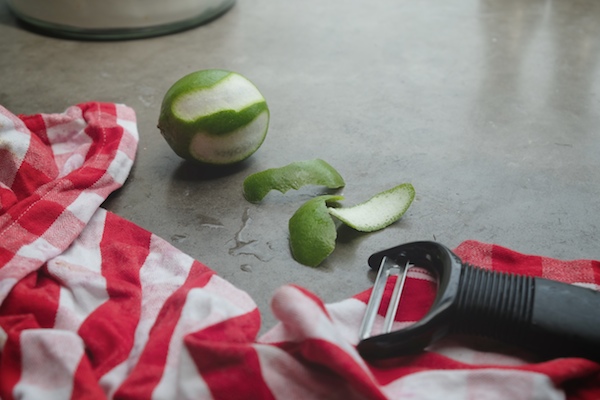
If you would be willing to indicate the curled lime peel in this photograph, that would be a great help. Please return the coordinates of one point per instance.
(312, 230)
(292, 176)
(379, 211)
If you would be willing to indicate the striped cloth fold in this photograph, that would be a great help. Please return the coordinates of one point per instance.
(94, 307)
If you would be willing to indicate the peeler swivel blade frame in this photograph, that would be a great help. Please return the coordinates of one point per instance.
(397, 261)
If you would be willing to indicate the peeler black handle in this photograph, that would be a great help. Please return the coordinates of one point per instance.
(549, 318)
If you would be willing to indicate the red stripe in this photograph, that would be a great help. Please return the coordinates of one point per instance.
(7, 197)
(36, 295)
(475, 253)
(144, 378)
(83, 178)
(85, 383)
(108, 332)
(29, 179)
(396, 368)
(10, 357)
(415, 301)
(336, 364)
(40, 216)
(596, 267)
(102, 128)
(561, 371)
(8, 168)
(36, 124)
(31, 304)
(506, 260)
(38, 166)
(5, 255)
(17, 211)
(226, 360)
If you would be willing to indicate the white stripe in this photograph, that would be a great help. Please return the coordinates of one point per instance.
(420, 273)
(15, 141)
(455, 350)
(68, 137)
(301, 318)
(241, 302)
(491, 384)
(3, 338)
(6, 285)
(49, 360)
(67, 226)
(203, 307)
(68, 163)
(79, 269)
(288, 378)
(587, 285)
(305, 319)
(119, 167)
(347, 316)
(129, 126)
(82, 207)
(71, 119)
(111, 381)
(190, 385)
(40, 249)
(232, 93)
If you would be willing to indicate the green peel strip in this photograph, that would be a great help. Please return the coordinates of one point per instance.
(378, 212)
(313, 231)
(292, 176)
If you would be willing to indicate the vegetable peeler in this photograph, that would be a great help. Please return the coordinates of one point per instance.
(549, 318)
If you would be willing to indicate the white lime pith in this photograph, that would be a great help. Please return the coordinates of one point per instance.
(214, 117)
(235, 146)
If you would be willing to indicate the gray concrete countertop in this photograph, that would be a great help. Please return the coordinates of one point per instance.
(490, 108)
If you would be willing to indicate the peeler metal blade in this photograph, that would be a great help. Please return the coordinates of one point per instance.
(387, 269)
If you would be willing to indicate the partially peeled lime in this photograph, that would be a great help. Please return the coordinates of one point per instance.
(214, 117)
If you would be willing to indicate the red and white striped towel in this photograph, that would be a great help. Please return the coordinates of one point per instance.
(94, 307)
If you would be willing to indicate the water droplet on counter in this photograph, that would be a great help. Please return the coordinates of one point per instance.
(246, 267)
(208, 222)
(249, 246)
(177, 238)
(147, 95)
